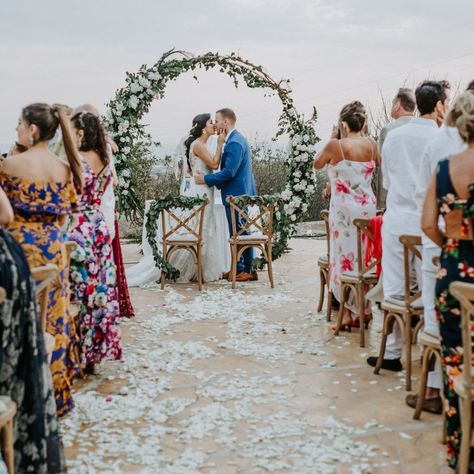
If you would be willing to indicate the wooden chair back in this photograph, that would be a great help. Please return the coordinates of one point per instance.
(262, 221)
(175, 220)
(363, 227)
(464, 293)
(43, 276)
(410, 247)
(70, 247)
(325, 217)
(3, 295)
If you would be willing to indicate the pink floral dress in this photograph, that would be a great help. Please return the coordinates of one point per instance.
(93, 275)
(351, 197)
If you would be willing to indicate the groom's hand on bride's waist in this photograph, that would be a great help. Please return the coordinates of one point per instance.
(199, 178)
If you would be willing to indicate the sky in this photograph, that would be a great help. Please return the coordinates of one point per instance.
(333, 51)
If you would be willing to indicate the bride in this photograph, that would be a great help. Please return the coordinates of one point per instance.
(216, 253)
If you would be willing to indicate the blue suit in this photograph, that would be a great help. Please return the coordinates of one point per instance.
(235, 179)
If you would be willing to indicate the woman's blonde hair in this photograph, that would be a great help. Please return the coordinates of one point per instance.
(461, 116)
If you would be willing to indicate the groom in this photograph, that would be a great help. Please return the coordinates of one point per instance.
(234, 179)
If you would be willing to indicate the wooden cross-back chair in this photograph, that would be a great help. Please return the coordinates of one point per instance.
(359, 281)
(402, 309)
(431, 352)
(323, 264)
(463, 383)
(183, 232)
(43, 277)
(242, 238)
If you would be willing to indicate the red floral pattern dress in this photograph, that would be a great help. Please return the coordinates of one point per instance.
(93, 275)
(351, 197)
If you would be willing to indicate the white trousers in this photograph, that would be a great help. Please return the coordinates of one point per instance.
(393, 279)
(428, 295)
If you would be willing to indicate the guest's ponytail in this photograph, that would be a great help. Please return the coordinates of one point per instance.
(70, 148)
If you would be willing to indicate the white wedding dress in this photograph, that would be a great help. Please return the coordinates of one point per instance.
(216, 251)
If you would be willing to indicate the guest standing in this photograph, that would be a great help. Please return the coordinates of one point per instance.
(92, 267)
(451, 195)
(108, 209)
(402, 111)
(351, 163)
(24, 372)
(42, 191)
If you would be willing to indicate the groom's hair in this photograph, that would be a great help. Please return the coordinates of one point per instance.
(228, 114)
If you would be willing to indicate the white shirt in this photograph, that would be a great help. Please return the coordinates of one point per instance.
(445, 144)
(401, 158)
(228, 135)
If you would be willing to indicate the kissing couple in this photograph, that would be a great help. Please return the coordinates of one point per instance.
(228, 169)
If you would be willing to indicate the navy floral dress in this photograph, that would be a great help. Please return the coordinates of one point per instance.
(24, 371)
(456, 264)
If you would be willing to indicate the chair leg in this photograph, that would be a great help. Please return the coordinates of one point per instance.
(387, 329)
(78, 357)
(234, 265)
(199, 267)
(361, 308)
(270, 266)
(424, 378)
(162, 280)
(322, 284)
(340, 314)
(329, 308)
(466, 429)
(407, 332)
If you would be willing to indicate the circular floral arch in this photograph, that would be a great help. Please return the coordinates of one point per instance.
(133, 101)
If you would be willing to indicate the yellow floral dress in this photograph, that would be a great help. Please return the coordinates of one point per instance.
(38, 208)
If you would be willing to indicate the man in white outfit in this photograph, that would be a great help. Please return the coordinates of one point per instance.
(401, 159)
(447, 143)
(403, 109)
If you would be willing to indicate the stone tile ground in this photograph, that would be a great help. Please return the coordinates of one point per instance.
(246, 381)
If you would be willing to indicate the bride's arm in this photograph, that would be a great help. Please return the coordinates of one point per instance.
(201, 151)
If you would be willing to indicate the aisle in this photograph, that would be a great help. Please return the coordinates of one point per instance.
(245, 381)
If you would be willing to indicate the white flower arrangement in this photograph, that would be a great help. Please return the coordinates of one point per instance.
(133, 101)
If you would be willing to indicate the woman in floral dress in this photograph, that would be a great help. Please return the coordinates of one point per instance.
(351, 161)
(24, 372)
(451, 195)
(92, 267)
(42, 192)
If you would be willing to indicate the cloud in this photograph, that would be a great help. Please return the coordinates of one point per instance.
(333, 51)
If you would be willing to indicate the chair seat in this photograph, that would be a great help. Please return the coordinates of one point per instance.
(323, 261)
(182, 239)
(397, 303)
(250, 237)
(428, 340)
(458, 385)
(367, 278)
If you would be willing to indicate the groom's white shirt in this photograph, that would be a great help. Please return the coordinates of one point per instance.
(227, 136)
